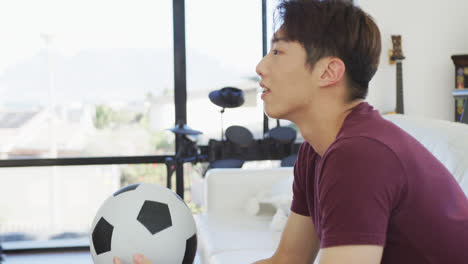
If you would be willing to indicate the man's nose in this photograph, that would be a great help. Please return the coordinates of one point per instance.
(260, 69)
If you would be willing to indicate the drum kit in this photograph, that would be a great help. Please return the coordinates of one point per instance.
(236, 141)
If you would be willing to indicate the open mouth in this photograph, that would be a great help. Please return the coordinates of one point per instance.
(265, 91)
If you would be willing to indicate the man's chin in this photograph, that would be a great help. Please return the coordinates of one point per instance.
(273, 115)
(274, 111)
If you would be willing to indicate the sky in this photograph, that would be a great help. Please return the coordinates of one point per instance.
(232, 35)
(81, 24)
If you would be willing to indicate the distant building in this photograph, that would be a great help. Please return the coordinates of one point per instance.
(32, 133)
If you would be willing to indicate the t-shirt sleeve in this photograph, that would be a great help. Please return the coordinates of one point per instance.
(299, 204)
(361, 183)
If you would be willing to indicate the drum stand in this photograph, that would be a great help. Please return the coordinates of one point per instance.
(186, 152)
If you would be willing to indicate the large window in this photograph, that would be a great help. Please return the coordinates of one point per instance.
(80, 78)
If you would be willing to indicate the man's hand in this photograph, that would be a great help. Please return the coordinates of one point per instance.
(137, 259)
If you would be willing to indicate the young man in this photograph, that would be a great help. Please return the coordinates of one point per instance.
(364, 190)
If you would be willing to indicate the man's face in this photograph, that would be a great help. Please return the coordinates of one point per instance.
(287, 81)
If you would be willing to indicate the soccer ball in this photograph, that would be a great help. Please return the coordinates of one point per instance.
(143, 218)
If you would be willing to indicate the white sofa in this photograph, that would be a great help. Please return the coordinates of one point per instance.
(229, 235)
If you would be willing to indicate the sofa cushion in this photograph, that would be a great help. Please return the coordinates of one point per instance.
(277, 196)
(281, 194)
(226, 232)
(230, 189)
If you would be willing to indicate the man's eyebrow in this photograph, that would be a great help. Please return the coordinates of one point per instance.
(277, 39)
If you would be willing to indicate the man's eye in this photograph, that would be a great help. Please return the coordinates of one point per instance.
(275, 52)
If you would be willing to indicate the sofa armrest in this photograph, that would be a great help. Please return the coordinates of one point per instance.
(230, 189)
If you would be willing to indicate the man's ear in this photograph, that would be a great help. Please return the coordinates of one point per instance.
(333, 71)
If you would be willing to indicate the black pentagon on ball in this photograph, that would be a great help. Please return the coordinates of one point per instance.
(190, 250)
(126, 189)
(155, 216)
(102, 236)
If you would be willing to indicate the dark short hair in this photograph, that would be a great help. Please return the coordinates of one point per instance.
(334, 28)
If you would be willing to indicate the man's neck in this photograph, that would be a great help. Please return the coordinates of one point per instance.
(320, 128)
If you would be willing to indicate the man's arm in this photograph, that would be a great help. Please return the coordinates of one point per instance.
(354, 254)
(299, 242)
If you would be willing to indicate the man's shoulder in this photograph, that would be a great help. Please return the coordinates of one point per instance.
(365, 160)
(374, 131)
(371, 125)
(360, 145)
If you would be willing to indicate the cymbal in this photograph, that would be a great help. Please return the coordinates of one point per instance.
(184, 130)
(228, 97)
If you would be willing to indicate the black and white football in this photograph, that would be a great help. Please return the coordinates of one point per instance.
(144, 218)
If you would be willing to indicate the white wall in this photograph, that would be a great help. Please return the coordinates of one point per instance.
(432, 31)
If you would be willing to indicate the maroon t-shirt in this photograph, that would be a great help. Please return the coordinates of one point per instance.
(377, 185)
